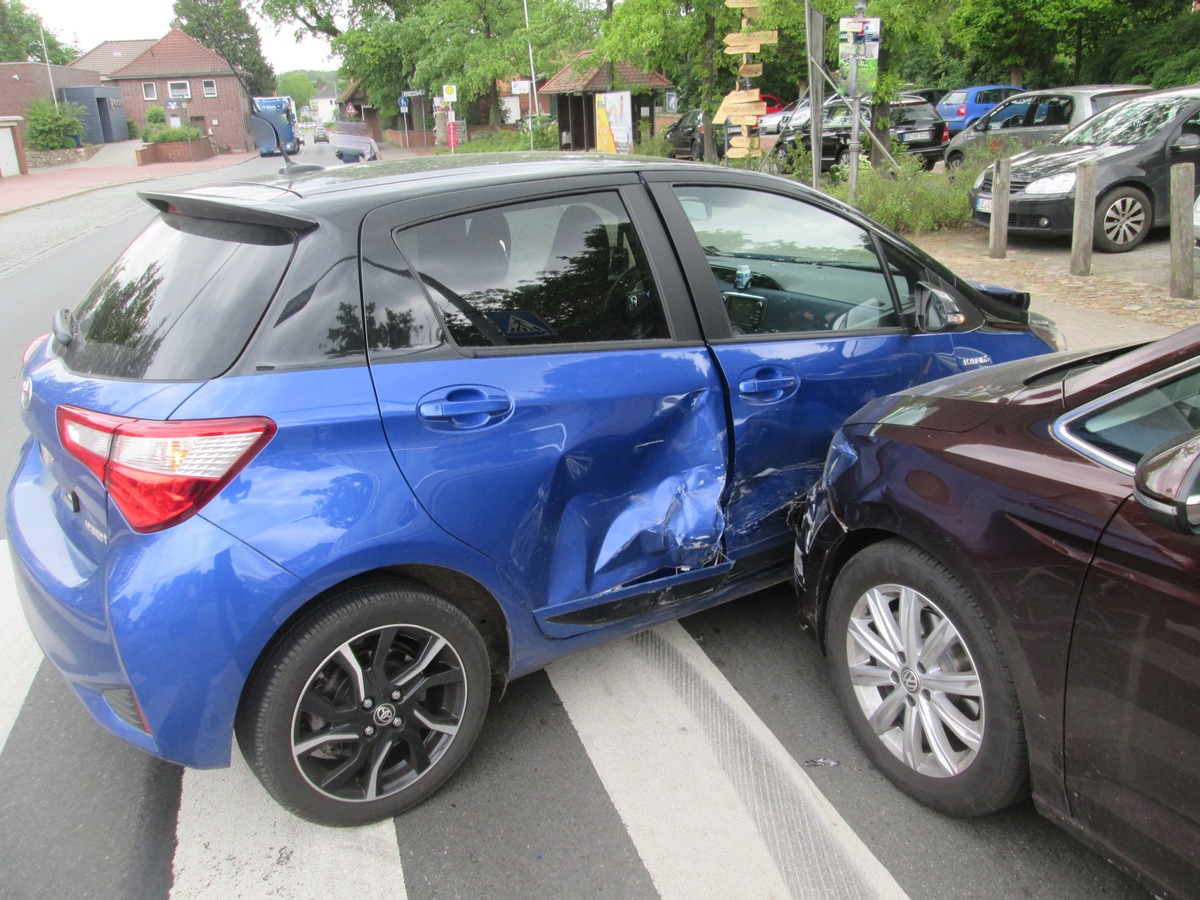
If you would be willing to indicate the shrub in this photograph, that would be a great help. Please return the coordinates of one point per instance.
(51, 129)
(133, 128)
(651, 145)
(172, 135)
(156, 115)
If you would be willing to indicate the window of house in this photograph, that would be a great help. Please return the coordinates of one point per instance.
(210, 87)
(179, 90)
(149, 90)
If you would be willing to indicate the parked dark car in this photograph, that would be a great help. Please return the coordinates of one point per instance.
(320, 135)
(1002, 569)
(932, 96)
(1038, 117)
(915, 125)
(328, 459)
(1134, 144)
(962, 107)
(686, 136)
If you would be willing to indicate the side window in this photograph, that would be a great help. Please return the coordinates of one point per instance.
(1008, 115)
(784, 265)
(1052, 111)
(563, 271)
(1136, 424)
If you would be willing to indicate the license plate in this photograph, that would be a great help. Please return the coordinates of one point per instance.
(913, 136)
(983, 204)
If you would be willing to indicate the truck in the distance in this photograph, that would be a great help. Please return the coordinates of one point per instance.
(280, 112)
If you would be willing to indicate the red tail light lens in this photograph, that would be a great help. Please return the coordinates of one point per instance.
(161, 473)
(945, 134)
(962, 110)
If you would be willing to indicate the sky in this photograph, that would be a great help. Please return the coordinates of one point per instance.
(87, 23)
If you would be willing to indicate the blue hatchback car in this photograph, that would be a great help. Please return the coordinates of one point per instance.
(326, 462)
(962, 107)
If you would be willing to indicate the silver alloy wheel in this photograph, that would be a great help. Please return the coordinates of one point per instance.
(915, 680)
(378, 713)
(1124, 220)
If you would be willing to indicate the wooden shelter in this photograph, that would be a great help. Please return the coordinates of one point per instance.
(575, 88)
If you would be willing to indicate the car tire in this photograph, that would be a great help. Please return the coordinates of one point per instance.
(843, 157)
(1123, 219)
(954, 161)
(399, 680)
(946, 729)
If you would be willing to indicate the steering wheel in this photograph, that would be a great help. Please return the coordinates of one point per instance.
(632, 299)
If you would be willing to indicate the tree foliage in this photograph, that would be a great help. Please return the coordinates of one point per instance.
(296, 85)
(21, 37)
(224, 27)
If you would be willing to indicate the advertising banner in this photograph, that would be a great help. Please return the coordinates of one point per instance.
(614, 122)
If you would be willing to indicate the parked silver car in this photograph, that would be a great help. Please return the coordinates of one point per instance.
(1037, 117)
(774, 123)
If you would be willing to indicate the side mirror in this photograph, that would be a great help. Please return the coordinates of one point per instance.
(936, 310)
(1167, 483)
(1187, 142)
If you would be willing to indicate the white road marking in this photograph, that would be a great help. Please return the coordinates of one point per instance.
(711, 799)
(234, 840)
(23, 654)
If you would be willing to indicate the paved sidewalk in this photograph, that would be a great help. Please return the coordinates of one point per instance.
(114, 164)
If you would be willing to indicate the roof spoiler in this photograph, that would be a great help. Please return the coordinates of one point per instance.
(225, 210)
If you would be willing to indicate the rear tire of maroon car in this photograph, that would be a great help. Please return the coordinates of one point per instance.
(923, 684)
(366, 705)
(1123, 220)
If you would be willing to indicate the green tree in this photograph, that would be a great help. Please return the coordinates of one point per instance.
(21, 37)
(296, 85)
(224, 27)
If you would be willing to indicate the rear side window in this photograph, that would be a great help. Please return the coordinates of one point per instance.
(954, 98)
(561, 271)
(180, 303)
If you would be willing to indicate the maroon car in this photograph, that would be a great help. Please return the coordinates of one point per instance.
(1004, 570)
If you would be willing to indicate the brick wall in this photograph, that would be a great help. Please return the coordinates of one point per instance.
(23, 81)
(228, 109)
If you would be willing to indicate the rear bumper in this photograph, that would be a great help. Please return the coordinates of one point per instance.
(174, 619)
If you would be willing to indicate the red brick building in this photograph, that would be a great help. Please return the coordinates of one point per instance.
(194, 85)
(21, 82)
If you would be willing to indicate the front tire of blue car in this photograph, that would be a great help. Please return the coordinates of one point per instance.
(367, 705)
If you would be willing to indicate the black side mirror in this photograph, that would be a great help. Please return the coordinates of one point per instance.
(1167, 483)
(1187, 141)
(936, 310)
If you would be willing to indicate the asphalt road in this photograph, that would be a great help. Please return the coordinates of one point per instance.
(705, 759)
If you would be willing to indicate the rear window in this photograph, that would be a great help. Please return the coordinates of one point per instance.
(1104, 101)
(180, 303)
(954, 98)
(912, 113)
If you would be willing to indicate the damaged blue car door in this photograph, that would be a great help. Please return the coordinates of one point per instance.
(583, 447)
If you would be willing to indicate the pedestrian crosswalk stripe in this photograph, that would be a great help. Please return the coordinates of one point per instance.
(22, 652)
(714, 803)
(233, 840)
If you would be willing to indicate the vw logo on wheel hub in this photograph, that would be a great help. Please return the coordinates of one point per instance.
(384, 714)
(910, 680)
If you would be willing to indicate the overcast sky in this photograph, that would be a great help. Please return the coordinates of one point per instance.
(87, 23)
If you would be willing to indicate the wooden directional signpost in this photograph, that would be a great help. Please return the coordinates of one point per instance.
(743, 106)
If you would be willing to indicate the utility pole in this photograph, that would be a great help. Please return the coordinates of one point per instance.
(860, 10)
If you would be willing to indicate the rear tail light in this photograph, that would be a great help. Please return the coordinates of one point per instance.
(945, 134)
(161, 473)
(962, 110)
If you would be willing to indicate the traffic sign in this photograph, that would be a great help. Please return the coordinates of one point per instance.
(418, 92)
(403, 104)
(450, 92)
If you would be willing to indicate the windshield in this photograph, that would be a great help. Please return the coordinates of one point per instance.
(1129, 123)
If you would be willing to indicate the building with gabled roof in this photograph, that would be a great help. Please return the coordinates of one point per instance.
(576, 85)
(192, 83)
(109, 56)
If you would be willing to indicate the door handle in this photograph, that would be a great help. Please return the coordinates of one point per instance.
(464, 406)
(768, 385)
